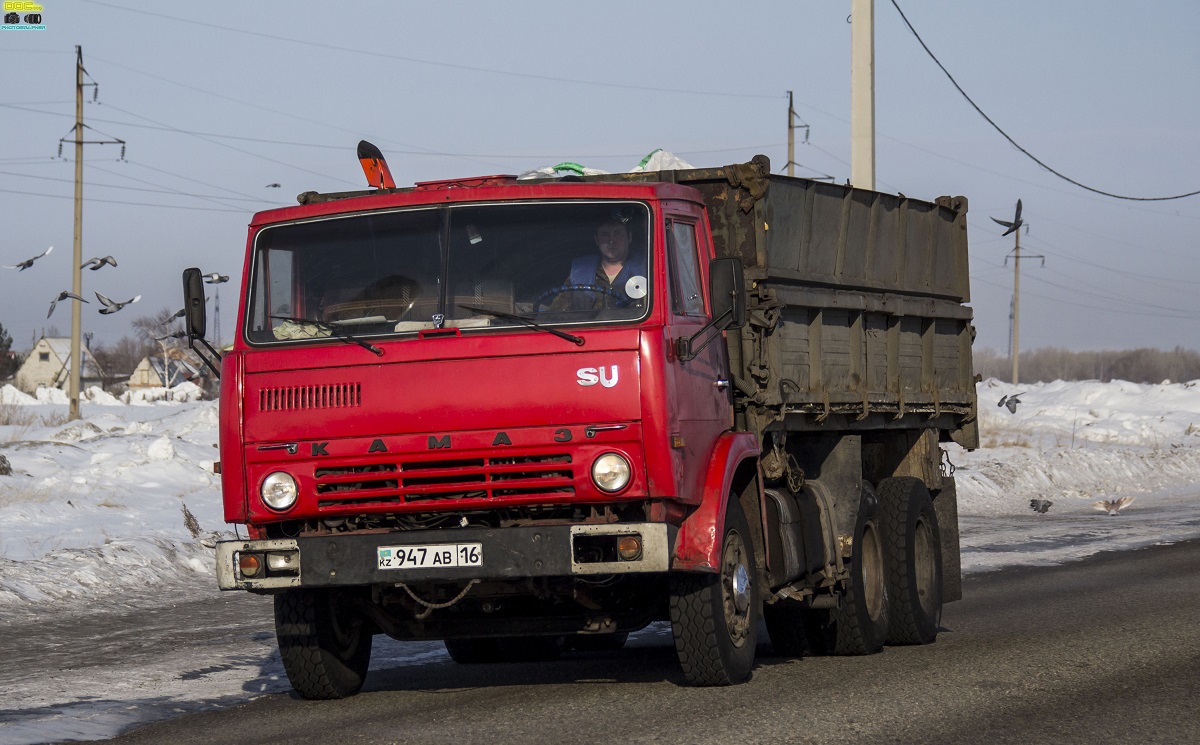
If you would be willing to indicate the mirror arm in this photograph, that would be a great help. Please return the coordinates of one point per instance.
(683, 347)
(211, 352)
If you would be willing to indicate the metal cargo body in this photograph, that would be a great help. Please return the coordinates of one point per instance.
(856, 299)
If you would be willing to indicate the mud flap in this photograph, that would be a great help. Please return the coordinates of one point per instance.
(945, 506)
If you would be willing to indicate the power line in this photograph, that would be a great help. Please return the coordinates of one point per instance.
(1014, 142)
(184, 178)
(1108, 309)
(236, 149)
(114, 201)
(435, 63)
(115, 186)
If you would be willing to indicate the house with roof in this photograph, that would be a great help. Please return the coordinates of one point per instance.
(49, 366)
(157, 372)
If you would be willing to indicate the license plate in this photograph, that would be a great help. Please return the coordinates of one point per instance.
(432, 556)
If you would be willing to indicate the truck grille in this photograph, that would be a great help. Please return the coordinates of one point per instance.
(292, 398)
(406, 482)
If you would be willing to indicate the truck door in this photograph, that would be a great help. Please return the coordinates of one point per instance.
(700, 403)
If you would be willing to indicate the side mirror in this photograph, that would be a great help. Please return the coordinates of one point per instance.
(726, 287)
(195, 318)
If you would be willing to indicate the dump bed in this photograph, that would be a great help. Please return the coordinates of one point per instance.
(856, 300)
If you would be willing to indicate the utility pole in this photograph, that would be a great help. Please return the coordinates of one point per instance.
(76, 272)
(791, 164)
(792, 127)
(1016, 355)
(862, 94)
(74, 381)
(1014, 227)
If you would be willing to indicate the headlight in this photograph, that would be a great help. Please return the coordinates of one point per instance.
(279, 491)
(611, 472)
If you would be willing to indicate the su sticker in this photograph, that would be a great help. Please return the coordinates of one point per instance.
(587, 376)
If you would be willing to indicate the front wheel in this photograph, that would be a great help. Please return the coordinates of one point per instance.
(324, 641)
(714, 617)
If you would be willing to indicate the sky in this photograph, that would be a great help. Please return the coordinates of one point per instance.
(216, 101)
(96, 521)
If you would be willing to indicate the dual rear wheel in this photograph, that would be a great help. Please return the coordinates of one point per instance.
(894, 591)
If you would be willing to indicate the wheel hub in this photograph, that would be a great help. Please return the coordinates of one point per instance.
(741, 589)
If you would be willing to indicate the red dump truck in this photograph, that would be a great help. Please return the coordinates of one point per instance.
(453, 411)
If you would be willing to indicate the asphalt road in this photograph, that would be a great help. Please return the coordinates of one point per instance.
(1104, 650)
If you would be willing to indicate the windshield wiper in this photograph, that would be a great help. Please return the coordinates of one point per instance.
(576, 340)
(338, 332)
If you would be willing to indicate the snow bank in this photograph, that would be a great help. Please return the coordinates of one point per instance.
(101, 506)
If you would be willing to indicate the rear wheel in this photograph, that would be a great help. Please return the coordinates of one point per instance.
(505, 649)
(714, 617)
(913, 553)
(324, 641)
(860, 625)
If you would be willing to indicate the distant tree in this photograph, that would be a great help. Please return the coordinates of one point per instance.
(119, 359)
(9, 360)
(1054, 363)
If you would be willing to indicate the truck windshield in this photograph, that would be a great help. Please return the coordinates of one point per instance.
(383, 273)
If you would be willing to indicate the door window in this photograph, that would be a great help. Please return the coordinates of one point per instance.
(686, 298)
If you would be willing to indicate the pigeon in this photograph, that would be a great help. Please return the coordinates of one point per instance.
(176, 335)
(1113, 506)
(1015, 224)
(96, 262)
(63, 296)
(1011, 401)
(1041, 506)
(113, 307)
(22, 266)
(215, 279)
(177, 314)
(274, 186)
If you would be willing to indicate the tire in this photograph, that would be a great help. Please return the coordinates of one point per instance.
(324, 642)
(505, 649)
(860, 625)
(913, 553)
(714, 617)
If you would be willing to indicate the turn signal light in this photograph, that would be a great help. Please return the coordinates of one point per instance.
(249, 565)
(629, 547)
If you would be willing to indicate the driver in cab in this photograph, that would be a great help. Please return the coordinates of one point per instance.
(610, 277)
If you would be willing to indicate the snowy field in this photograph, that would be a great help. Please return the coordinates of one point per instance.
(120, 510)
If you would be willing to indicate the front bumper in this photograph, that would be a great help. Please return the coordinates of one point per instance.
(508, 553)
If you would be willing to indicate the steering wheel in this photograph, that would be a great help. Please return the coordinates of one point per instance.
(620, 300)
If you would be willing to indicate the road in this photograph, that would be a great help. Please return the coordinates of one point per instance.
(1097, 651)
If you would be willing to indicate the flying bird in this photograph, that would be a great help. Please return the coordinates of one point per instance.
(22, 266)
(63, 296)
(1011, 401)
(215, 279)
(113, 307)
(177, 314)
(1041, 506)
(96, 262)
(176, 335)
(1113, 506)
(1015, 224)
(274, 186)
